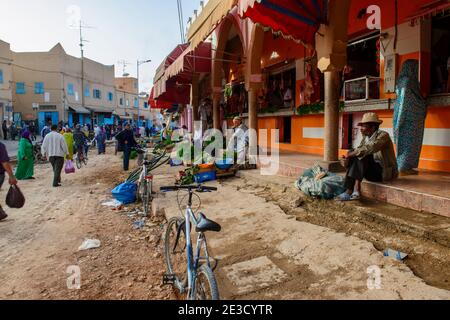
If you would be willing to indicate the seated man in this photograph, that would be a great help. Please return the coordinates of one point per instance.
(373, 160)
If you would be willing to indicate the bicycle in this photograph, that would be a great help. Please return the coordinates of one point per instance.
(198, 281)
(80, 159)
(145, 181)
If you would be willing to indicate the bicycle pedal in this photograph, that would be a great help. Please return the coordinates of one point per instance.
(169, 279)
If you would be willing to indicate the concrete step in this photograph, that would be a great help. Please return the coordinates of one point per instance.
(406, 197)
(420, 225)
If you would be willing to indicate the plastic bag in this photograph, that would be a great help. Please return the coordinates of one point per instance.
(15, 198)
(89, 244)
(320, 183)
(69, 168)
(125, 193)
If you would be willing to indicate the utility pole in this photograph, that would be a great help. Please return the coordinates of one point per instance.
(138, 64)
(82, 65)
(82, 41)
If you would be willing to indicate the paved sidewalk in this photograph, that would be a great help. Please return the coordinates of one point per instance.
(266, 254)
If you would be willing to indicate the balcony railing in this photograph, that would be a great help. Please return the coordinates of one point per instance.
(362, 89)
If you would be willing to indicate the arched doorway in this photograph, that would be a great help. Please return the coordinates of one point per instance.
(229, 72)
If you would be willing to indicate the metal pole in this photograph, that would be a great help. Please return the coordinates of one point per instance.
(139, 107)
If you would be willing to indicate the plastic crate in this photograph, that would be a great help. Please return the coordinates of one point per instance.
(205, 177)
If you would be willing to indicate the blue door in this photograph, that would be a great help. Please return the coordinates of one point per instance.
(45, 118)
(71, 120)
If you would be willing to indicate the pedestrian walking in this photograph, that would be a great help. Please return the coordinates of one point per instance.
(5, 167)
(55, 148)
(32, 129)
(79, 139)
(45, 131)
(25, 158)
(5, 130)
(68, 136)
(126, 143)
(101, 141)
(13, 131)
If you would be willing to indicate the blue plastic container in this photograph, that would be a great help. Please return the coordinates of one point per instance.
(125, 193)
(205, 177)
(224, 164)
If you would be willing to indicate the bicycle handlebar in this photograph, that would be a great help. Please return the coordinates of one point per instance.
(198, 188)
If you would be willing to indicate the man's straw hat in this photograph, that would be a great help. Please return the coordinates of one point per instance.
(370, 118)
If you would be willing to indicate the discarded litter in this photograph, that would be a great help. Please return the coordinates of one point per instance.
(139, 224)
(90, 244)
(112, 203)
(394, 254)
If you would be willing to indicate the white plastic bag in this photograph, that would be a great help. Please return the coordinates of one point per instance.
(90, 244)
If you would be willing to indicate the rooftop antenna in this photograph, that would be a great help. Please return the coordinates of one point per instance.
(124, 65)
(81, 26)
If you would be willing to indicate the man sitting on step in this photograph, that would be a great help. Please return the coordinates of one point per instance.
(373, 160)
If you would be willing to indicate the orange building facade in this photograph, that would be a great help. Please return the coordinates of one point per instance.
(382, 35)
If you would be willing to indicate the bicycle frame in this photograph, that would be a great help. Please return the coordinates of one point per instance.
(193, 261)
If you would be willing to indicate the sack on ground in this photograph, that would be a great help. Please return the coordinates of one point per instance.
(15, 198)
(320, 183)
(69, 168)
(125, 193)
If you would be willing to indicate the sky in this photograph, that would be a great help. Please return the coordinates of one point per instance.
(120, 29)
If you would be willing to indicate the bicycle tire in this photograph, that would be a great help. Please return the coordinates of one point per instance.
(78, 162)
(175, 257)
(211, 283)
(146, 197)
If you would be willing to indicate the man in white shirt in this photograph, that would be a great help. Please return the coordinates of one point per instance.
(55, 149)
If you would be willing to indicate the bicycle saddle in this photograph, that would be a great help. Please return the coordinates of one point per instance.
(205, 224)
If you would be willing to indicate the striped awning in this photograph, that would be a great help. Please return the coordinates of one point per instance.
(431, 9)
(159, 82)
(297, 20)
(213, 12)
(191, 61)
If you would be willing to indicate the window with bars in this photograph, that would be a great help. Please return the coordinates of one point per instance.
(97, 94)
(20, 88)
(39, 88)
(70, 89)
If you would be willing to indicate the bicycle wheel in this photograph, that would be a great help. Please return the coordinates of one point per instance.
(206, 285)
(175, 250)
(78, 162)
(146, 198)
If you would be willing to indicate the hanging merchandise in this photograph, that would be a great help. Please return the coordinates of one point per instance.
(378, 55)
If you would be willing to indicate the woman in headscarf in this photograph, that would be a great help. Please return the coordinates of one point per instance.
(25, 158)
(409, 118)
(68, 136)
(101, 141)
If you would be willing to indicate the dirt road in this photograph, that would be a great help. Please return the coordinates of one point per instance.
(265, 252)
(39, 242)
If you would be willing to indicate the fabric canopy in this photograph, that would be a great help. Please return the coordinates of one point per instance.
(298, 20)
(212, 14)
(100, 109)
(431, 9)
(191, 61)
(160, 76)
(158, 104)
(79, 109)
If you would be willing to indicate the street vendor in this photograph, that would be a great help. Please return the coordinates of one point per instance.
(373, 160)
(240, 139)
